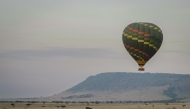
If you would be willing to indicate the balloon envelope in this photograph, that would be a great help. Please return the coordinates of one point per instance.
(142, 40)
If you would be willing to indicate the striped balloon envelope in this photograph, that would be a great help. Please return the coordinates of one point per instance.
(142, 40)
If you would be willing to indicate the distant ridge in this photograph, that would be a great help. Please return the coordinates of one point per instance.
(117, 81)
(130, 86)
(126, 86)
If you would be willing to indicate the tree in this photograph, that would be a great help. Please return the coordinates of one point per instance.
(28, 104)
(183, 105)
(12, 104)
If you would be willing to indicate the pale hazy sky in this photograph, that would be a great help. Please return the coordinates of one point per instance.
(48, 46)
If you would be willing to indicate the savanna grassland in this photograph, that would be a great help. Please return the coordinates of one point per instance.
(25, 105)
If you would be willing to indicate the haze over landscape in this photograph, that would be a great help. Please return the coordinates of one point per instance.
(47, 47)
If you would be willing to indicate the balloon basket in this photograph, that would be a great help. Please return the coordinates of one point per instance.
(141, 69)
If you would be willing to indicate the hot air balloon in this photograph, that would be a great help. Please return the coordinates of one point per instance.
(142, 40)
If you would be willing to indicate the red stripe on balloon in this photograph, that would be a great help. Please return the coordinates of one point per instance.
(147, 35)
(136, 31)
(140, 32)
(131, 48)
(137, 50)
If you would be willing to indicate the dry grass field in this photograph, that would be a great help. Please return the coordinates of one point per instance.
(94, 106)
